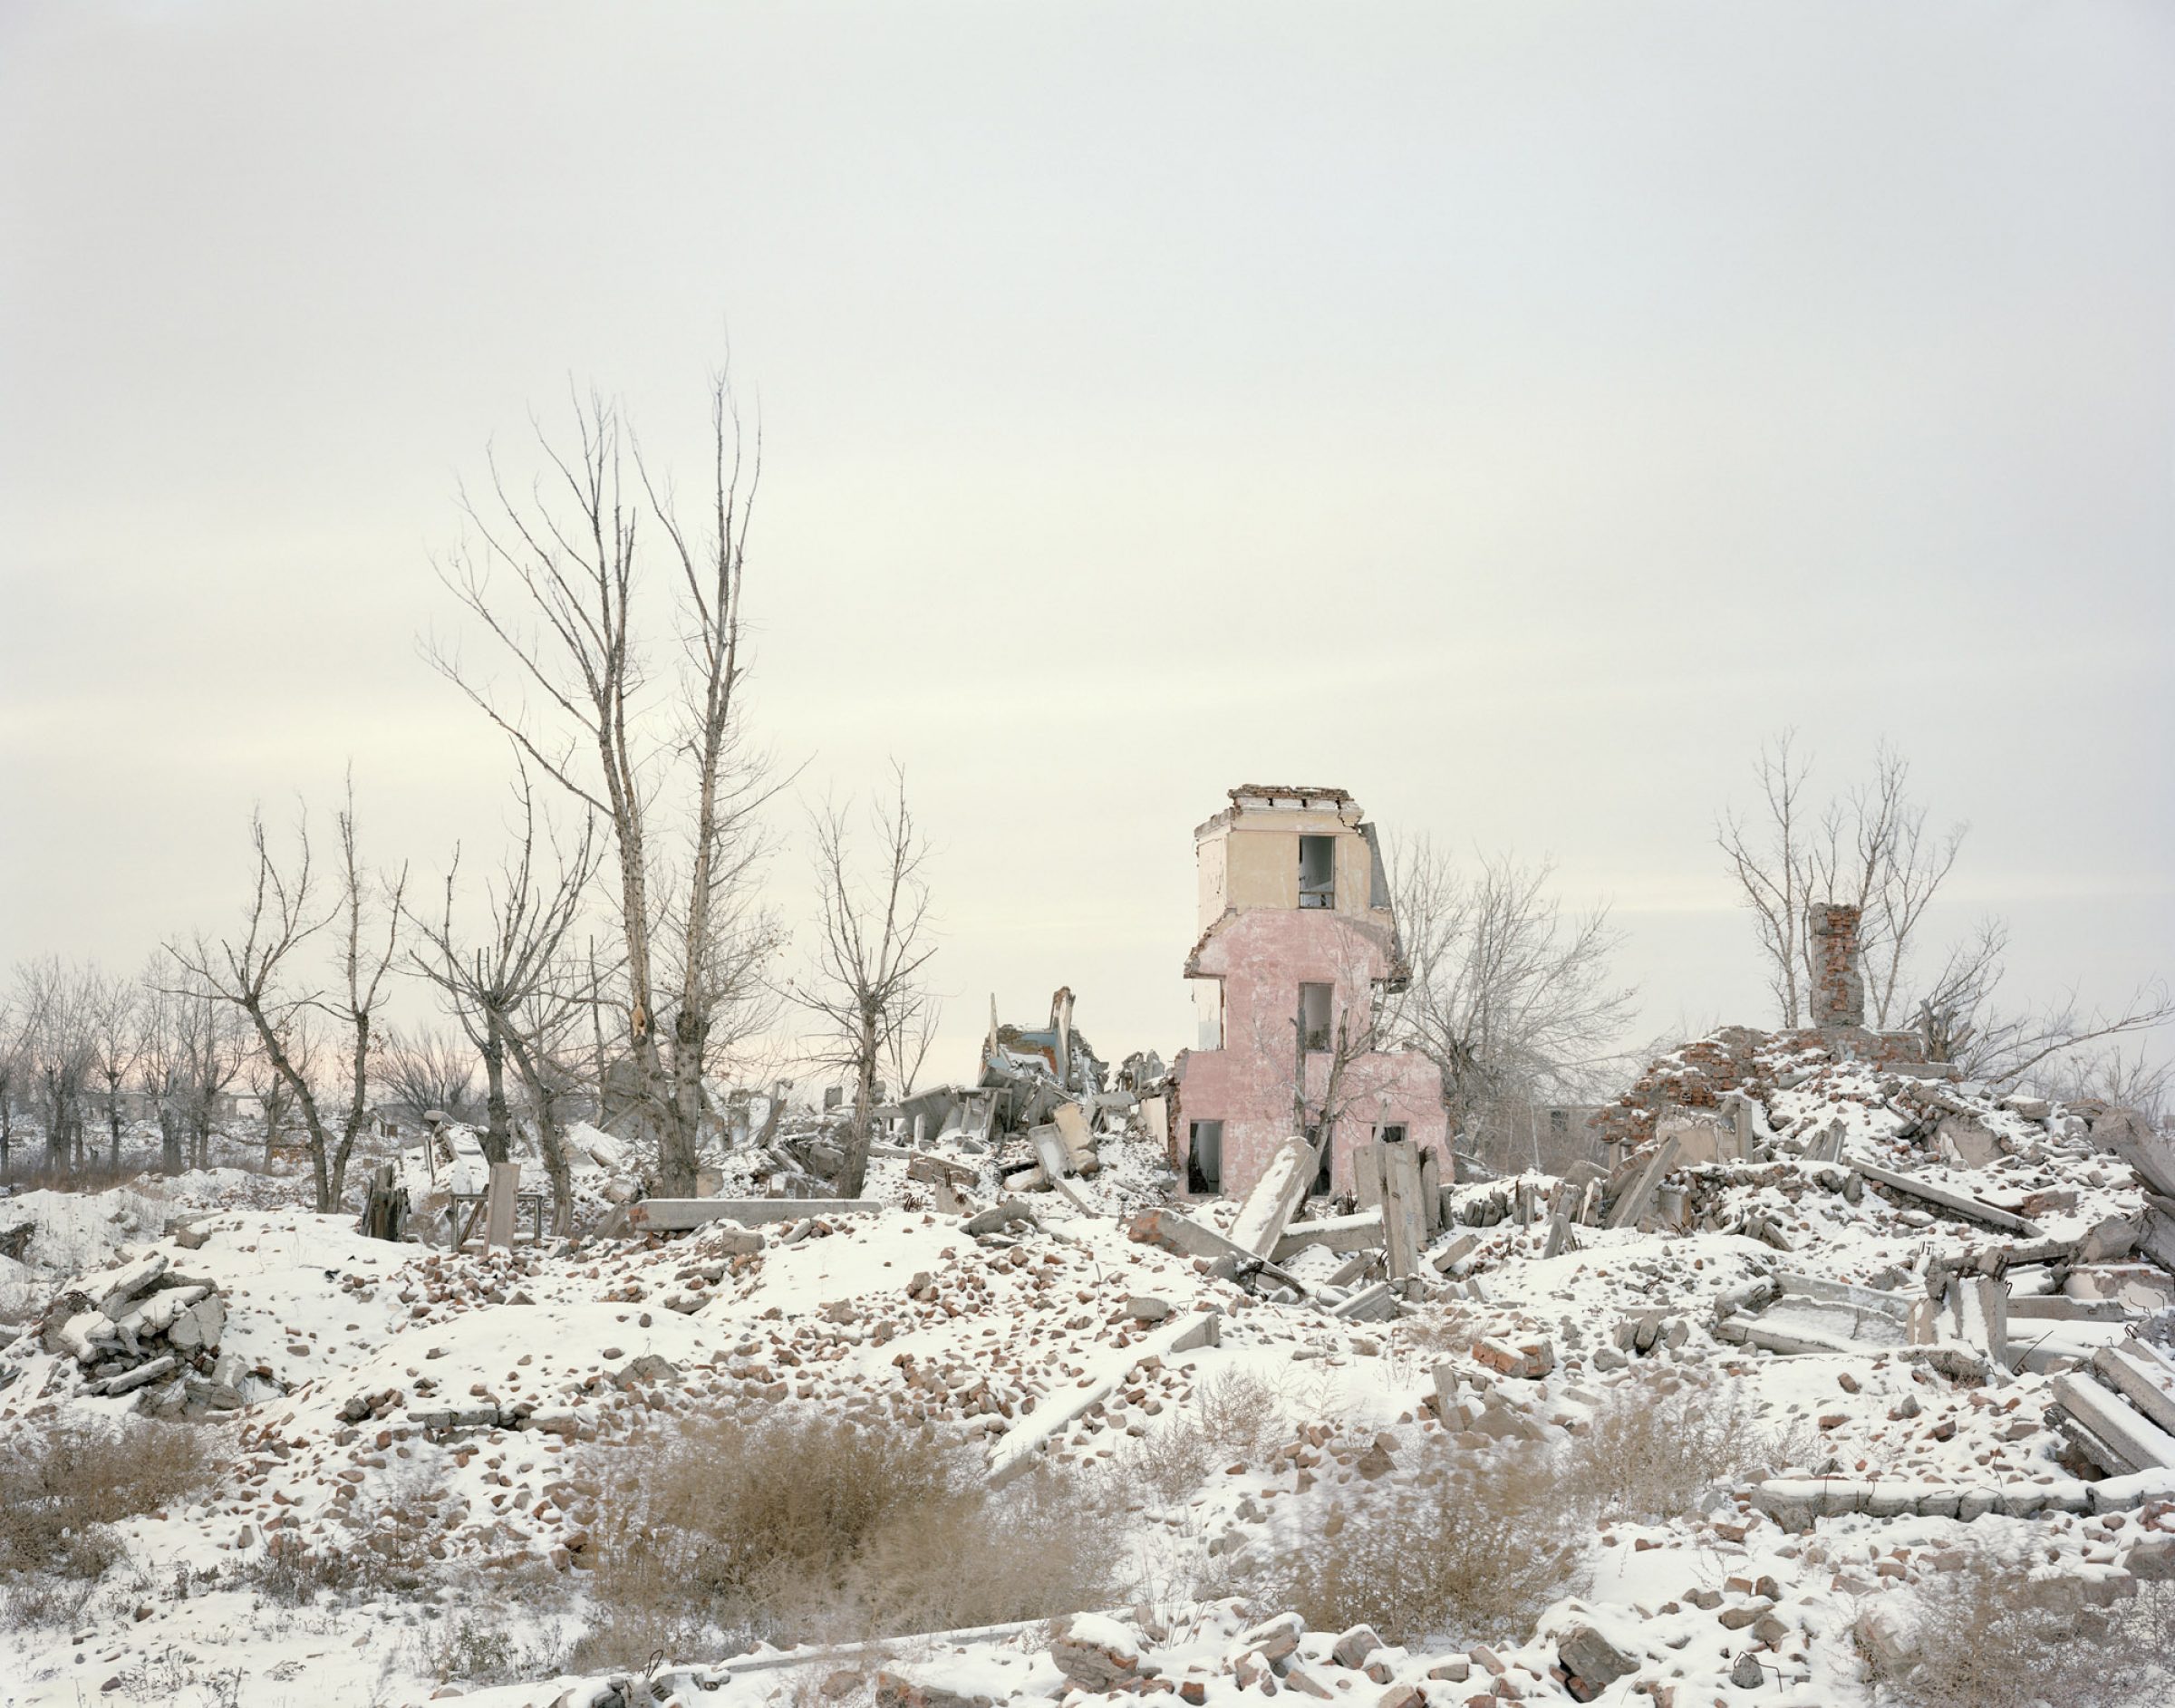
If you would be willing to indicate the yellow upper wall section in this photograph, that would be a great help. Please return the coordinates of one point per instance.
(1249, 857)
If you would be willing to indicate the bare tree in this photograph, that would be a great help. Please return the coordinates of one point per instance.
(679, 786)
(864, 987)
(116, 1018)
(211, 1045)
(275, 1096)
(11, 1078)
(427, 1068)
(1870, 849)
(906, 1051)
(2130, 1079)
(1511, 998)
(508, 987)
(252, 974)
(60, 1046)
(1960, 1020)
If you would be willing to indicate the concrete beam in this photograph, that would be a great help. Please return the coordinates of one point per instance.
(1954, 1203)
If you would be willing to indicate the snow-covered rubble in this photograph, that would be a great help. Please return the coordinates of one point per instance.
(1912, 1384)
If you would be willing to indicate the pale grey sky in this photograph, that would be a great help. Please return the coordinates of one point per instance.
(1508, 412)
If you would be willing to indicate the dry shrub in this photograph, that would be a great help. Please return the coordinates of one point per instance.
(1658, 1443)
(1988, 1636)
(1474, 1550)
(1167, 1465)
(62, 1490)
(799, 1531)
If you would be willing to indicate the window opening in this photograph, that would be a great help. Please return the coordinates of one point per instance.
(1318, 871)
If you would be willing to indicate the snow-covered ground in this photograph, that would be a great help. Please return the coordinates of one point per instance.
(446, 1413)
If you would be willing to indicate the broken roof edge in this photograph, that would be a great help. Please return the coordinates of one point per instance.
(1258, 798)
(1278, 791)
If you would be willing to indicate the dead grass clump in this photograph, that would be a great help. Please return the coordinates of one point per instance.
(1167, 1465)
(1240, 1415)
(1658, 1443)
(1474, 1552)
(800, 1531)
(1988, 1635)
(62, 1490)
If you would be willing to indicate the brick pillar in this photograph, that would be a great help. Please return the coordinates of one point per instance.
(1838, 989)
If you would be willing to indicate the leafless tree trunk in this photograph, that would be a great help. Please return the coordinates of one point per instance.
(116, 1044)
(682, 781)
(249, 974)
(58, 1035)
(211, 1049)
(1772, 867)
(864, 987)
(11, 1074)
(1513, 1000)
(509, 989)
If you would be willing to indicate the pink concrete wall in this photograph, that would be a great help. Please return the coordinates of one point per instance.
(1264, 955)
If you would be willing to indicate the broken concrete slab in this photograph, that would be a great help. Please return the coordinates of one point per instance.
(1360, 1232)
(1631, 1203)
(1078, 1131)
(2126, 1134)
(2142, 1375)
(1956, 1203)
(1275, 1199)
(1179, 1233)
(2110, 1431)
(1017, 1447)
(1007, 1214)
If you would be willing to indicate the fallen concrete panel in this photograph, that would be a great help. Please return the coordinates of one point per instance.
(1632, 1204)
(1795, 1502)
(1181, 1234)
(1954, 1203)
(1896, 1305)
(1362, 1232)
(1275, 1199)
(1016, 1448)
(2143, 1378)
(2062, 1308)
(1369, 1303)
(2131, 1443)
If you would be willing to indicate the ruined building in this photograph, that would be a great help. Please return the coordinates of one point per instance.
(1297, 946)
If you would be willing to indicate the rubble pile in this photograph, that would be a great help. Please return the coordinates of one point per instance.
(145, 1328)
(1928, 1357)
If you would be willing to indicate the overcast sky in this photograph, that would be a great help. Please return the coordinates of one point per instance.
(1510, 413)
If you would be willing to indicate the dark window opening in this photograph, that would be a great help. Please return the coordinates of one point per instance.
(1318, 871)
(1559, 1122)
(1204, 1157)
(1314, 1000)
(1323, 1185)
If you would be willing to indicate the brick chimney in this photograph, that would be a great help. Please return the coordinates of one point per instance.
(1838, 988)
